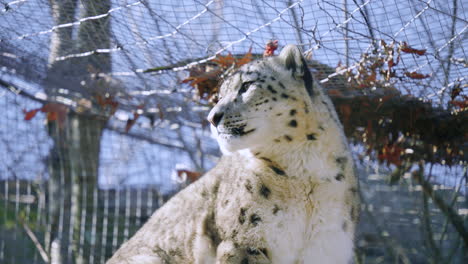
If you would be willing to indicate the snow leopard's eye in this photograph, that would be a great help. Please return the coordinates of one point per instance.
(245, 86)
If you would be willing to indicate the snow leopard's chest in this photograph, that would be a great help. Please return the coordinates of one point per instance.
(282, 216)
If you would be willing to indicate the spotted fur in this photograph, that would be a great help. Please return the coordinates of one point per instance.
(284, 191)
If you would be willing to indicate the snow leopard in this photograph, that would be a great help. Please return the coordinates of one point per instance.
(285, 189)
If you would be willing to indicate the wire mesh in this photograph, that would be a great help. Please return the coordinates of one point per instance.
(136, 54)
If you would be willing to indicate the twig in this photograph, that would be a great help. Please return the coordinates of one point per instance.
(16, 90)
(365, 14)
(451, 49)
(393, 247)
(427, 223)
(449, 212)
(34, 239)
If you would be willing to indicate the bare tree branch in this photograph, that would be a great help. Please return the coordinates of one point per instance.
(37, 244)
(457, 221)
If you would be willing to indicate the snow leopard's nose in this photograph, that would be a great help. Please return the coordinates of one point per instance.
(215, 117)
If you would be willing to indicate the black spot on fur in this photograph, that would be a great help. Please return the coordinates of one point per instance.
(272, 78)
(284, 95)
(341, 160)
(321, 128)
(266, 159)
(211, 230)
(339, 177)
(274, 99)
(270, 88)
(234, 233)
(292, 112)
(254, 219)
(353, 190)
(354, 213)
(345, 226)
(253, 251)
(311, 136)
(292, 123)
(277, 170)
(275, 209)
(279, 114)
(282, 85)
(175, 252)
(216, 188)
(288, 138)
(240, 131)
(242, 215)
(265, 191)
(308, 80)
(248, 186)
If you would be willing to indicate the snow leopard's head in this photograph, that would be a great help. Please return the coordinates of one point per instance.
(264, 102)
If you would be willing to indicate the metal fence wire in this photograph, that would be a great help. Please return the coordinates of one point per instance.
(98, 129)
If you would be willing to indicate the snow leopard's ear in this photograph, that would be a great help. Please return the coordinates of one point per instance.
(293, 60)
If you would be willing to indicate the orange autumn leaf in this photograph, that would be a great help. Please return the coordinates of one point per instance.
(52, 116)
(345, 110)
(206, 79)
(371, 78)
(193, 81)
(335, 92)
(191, 176)
(107, 102)
(224, 61)
(28, 115)
(131, 122)
(415, 75)
(369, 129)
(245, 59)
(56, 112)
(407, 49)
(462, 104)
(391, 154)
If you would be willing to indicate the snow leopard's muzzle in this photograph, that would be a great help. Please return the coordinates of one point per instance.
(226, 124)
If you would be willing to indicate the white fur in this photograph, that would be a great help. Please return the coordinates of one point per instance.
(284, 190)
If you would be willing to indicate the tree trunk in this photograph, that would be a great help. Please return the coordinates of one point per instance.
(74, 157)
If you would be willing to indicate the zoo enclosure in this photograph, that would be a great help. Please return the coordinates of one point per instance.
(97, 121)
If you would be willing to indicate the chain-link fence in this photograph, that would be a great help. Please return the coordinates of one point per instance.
(99, 128)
